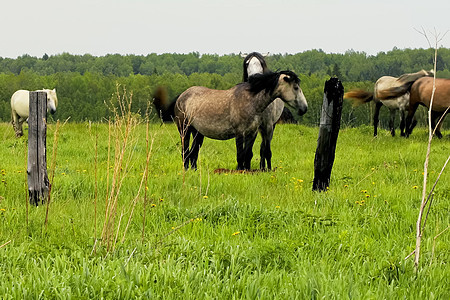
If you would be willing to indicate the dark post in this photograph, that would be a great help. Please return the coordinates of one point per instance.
(38, 183)
(330, 122)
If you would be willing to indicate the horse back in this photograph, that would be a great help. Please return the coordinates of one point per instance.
(20, 103)
(422, 90)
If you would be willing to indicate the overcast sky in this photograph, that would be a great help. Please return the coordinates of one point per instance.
(101, 27)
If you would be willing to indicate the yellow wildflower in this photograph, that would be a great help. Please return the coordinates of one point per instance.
(236, 233)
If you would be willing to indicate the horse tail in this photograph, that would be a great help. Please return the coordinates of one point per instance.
(170, 115)
(361, 96)
(164, 109)
(394, 92)
(160, 98)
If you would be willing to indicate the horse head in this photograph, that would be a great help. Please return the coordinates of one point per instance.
(290, 92)
(254, 63)
(52, 100)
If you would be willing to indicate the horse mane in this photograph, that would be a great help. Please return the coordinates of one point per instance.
(260, 57)
(411, 77)
(269, 81)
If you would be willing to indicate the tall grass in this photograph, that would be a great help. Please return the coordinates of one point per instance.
(229, 235)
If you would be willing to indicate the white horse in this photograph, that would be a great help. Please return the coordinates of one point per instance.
(20, 107)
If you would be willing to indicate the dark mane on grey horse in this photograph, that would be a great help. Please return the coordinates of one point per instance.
(234, 113)
(269, 81)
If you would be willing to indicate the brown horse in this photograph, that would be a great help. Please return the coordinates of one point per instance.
(399, 103)
(420, 94)
(236, 112)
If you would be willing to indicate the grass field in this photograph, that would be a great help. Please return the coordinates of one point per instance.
(229, 235)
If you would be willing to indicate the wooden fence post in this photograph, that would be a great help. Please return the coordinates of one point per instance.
(38, 183)
(330, 122)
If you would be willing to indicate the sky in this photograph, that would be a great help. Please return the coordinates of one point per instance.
(100, 27)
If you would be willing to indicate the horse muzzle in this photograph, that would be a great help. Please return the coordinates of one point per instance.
(52, 111)
(302, 111)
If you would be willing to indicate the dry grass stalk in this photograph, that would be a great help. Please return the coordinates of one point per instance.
(1, 246)
(121, 139)
(148, 151)
(419, 227)
(95, 183)
(52, 171)
(434, 243)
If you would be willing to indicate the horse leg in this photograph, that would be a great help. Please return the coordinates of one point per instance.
(262, 153)
(402, 122)
(435, 116)
(185, 134)
(413, 124)
(240, 152)
(392, 122)
(249, 140)
(17, 124)
(195, 148)
(265, 150)
(409, 123)
(376, 117)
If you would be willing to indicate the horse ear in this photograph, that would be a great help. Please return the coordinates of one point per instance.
(266, 54)
(243, 55)
(286, 78)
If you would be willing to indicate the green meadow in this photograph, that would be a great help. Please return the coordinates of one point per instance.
(222, 235)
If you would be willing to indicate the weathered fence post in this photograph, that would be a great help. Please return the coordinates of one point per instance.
(330, 122)
(38, 183)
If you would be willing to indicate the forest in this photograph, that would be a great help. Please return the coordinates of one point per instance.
(85, 83)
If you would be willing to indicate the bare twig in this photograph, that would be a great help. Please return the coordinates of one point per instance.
(434, 243)
(1, 246)
(409, 255)
(419, 227)
(430, 194)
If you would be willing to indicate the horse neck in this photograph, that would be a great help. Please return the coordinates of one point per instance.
(261, 100)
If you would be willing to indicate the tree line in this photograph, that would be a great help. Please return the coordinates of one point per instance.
(85, 82)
